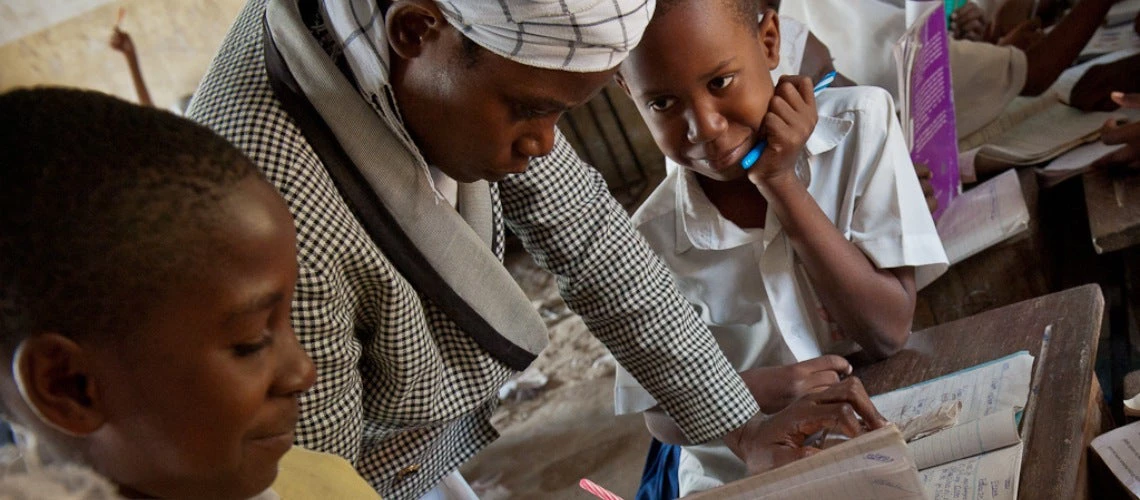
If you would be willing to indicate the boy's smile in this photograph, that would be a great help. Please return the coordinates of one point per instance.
(700, 79)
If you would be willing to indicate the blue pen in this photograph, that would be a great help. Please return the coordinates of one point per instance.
(752, 156)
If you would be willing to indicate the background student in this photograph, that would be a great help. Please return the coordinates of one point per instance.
(986, 77)
(146, 274)
(812, 249)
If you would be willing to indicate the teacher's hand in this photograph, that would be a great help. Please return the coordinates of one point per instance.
(765, 444)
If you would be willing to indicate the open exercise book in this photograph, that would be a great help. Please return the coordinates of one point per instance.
(971, 452)
(979, 455)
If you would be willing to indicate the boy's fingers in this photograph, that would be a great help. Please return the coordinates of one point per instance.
(780, 106)
(1126, 100)
(851, 391)
(820, 381)
(831, 363)
(796, 89)
(846, 421)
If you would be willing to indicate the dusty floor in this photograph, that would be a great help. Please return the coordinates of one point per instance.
(554, 435)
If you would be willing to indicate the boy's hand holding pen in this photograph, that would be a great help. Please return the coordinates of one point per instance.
(790, 121)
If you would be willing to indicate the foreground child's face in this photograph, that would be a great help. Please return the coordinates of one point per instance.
(202, 402)
(700, 79)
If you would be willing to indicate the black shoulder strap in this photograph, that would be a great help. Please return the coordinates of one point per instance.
(377, 220)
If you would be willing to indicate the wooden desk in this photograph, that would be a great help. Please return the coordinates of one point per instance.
(1113, 202)
(1112, 199)
(1055, 446)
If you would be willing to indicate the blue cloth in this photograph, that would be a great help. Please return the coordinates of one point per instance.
(659, 479)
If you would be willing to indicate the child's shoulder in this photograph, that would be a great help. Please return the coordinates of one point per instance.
(862, 101)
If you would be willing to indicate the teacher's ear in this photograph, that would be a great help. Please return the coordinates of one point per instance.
(411, 25)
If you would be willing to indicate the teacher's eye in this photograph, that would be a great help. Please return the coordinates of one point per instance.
(249, 349)
(721, 82)
(661, 103)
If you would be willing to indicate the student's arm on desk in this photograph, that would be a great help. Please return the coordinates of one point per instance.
(772, 441)
(1057, 51)
(874, 307)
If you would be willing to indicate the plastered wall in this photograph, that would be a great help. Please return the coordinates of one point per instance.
(175, 41)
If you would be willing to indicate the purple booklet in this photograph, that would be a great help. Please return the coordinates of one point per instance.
(927, 99)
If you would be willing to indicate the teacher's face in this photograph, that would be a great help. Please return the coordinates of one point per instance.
(474, 114)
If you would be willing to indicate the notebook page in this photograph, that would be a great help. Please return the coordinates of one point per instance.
(1045, 135)
(1075, 162)
(984, 389)
(1016, 112)
(991, 432)
(1119, 450)
(992, 476)
(872, 461)
(983, 217)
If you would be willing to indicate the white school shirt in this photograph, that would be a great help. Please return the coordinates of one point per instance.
(748, 286)
(861, 36)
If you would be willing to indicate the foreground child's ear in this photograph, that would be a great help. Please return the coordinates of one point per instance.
(53, 378)
(411, 23)
(768, 35)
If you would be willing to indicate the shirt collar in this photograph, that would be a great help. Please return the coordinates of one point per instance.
(698, 222)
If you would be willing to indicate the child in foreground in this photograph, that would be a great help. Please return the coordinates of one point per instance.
(812, 249)
(146, 274)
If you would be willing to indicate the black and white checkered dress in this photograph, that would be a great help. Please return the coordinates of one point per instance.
(402, 392)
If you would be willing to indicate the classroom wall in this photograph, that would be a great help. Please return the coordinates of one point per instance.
(175, 41)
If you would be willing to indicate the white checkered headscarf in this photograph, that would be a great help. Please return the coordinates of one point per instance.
(568, 35)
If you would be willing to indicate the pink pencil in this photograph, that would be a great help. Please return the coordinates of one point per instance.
(597, 491)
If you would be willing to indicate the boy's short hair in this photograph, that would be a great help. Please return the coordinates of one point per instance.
(103, 208)
(746, 11)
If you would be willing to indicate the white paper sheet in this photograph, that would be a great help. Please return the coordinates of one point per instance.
(1120, 450)
(984, 389)
(993, 476)
(984, 216)
(992, 432)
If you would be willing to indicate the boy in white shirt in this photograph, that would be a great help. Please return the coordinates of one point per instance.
(811, 249)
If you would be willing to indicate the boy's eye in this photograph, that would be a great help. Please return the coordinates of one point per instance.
(721, 82)
(249, 349)
(661, 104)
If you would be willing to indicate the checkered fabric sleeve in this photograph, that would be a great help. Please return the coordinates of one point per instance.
(565, 216)
(401, 392)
